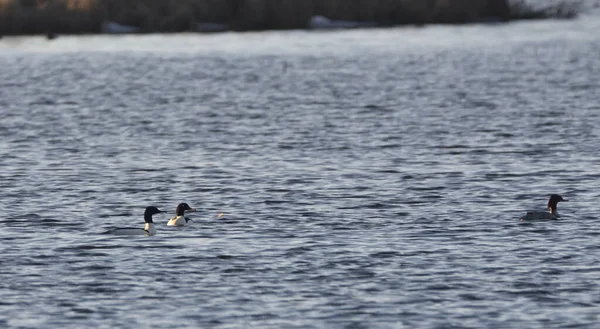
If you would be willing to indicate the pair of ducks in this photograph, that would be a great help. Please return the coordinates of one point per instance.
(149, 228)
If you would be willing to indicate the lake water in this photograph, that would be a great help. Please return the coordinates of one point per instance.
(368, 178)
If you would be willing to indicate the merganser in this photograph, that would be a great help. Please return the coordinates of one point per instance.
(552, 212)
(149, 228)
(180, 219)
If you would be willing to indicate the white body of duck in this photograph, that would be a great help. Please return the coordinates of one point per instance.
(552, 212)
(148, 230)
(180, 219)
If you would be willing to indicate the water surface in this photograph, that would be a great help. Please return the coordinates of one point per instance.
(369, 178)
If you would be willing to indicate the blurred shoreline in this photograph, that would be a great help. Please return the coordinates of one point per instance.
(53, 17)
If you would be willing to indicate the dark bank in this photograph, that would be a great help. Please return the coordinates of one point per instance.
(52, 17)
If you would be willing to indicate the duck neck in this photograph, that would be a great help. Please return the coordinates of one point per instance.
(148, 218)
(179, 211)
(150, 228)
(552, 204)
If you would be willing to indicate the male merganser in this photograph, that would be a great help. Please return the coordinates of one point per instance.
(552, 213)
(180, 219)
(149, 228)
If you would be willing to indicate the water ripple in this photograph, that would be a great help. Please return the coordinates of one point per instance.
(362, 187)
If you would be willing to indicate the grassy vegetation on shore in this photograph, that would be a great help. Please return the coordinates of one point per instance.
(86, 16)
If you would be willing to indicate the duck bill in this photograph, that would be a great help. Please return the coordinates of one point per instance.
(191, 210)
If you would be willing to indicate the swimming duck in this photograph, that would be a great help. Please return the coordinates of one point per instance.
(552, 213)
(180, 219)
(149, 228)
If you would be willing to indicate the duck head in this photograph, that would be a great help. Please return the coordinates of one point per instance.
(182, 208)
(149, 212)
(553, 202)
